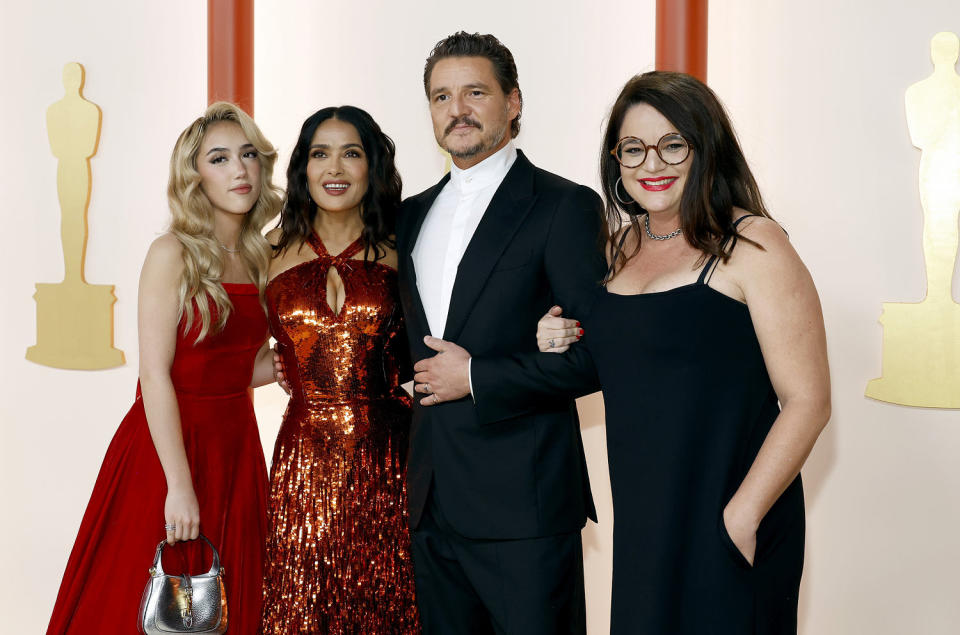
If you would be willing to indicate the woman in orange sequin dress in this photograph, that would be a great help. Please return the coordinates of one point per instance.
(338, 551)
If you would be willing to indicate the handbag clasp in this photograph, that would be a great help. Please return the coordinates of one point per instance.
(186, 612)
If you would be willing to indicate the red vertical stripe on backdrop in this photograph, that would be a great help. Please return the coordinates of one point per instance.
(230, 52)
(682, 37)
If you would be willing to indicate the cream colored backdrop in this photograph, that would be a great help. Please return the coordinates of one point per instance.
(816, 91)
(146, 69)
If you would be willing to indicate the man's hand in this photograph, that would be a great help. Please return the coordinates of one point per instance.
(445, 376)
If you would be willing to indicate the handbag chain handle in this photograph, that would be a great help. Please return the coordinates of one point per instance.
(215, 568)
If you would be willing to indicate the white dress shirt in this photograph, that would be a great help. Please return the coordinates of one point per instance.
(448, 228)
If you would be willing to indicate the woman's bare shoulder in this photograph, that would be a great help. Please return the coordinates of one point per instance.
(770, 249)
(163, 264)
(759, 228)
(165, 251)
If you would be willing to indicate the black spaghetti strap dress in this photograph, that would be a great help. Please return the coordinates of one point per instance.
(688, 405)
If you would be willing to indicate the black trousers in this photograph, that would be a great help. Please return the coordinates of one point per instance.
(530, 586)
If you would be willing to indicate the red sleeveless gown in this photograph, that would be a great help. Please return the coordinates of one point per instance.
(338, 552)
(107, 570)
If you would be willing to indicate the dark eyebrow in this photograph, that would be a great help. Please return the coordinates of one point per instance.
(243, 147)
(443, 89)
(326, 146)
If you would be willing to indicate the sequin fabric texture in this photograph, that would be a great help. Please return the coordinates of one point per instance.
(338, 552)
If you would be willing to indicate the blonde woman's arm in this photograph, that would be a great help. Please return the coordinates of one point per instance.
(157, 326)
(263, 372)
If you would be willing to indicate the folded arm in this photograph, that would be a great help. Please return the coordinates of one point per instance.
(514, 385)
(523, 383)
(507, 387)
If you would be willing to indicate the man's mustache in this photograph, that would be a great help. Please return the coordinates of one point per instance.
(459, 121)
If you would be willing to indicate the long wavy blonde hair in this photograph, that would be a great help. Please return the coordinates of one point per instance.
(200, 285)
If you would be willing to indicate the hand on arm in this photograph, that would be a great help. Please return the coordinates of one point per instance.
(788, 320)
(157, 326)
(524, 383)
(278, 375)
(555, 333)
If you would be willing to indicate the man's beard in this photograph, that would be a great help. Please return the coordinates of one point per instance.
(485, 144)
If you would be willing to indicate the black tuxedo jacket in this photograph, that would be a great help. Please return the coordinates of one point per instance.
(536, 246)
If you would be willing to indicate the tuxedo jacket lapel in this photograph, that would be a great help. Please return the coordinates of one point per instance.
(406, 243)
(509, 207)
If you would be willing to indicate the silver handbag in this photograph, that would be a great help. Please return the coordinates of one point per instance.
(183, 603)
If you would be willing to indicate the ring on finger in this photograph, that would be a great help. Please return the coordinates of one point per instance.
(436, 399)
(551, 343)
(427, 388)
(169, 527)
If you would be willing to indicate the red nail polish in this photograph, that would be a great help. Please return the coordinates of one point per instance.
(578, 323)
(581, 332)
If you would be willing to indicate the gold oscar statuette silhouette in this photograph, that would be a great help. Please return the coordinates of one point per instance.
(921, 341)
(74, 319)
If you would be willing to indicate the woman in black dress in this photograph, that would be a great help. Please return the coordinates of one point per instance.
(706, 320)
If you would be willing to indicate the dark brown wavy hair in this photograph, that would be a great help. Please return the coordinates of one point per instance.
(719, 177)
(379, 206)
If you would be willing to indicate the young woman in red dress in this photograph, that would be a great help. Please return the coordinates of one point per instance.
(187, 457)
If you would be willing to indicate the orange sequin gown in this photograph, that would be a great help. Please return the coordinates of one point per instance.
(338, 551)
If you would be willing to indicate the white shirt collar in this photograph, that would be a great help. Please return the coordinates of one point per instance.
(491, 170)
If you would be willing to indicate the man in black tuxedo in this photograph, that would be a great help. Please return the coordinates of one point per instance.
(496, 509)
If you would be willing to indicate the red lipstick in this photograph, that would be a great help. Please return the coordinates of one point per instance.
(658, 184)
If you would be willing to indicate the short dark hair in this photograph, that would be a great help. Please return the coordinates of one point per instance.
(380, 204)
(463, 44)
(719, 179)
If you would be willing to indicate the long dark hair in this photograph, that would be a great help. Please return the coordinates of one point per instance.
(378, 209)
(719, 177)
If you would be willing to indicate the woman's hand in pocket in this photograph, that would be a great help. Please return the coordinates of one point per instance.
(742, 531)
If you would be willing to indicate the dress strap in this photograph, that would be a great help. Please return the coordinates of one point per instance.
(320, 249)
(713, 262)
(616, 254)
(351, 250)
(317, 245)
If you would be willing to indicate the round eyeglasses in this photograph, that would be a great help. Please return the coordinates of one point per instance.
(631, 152)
